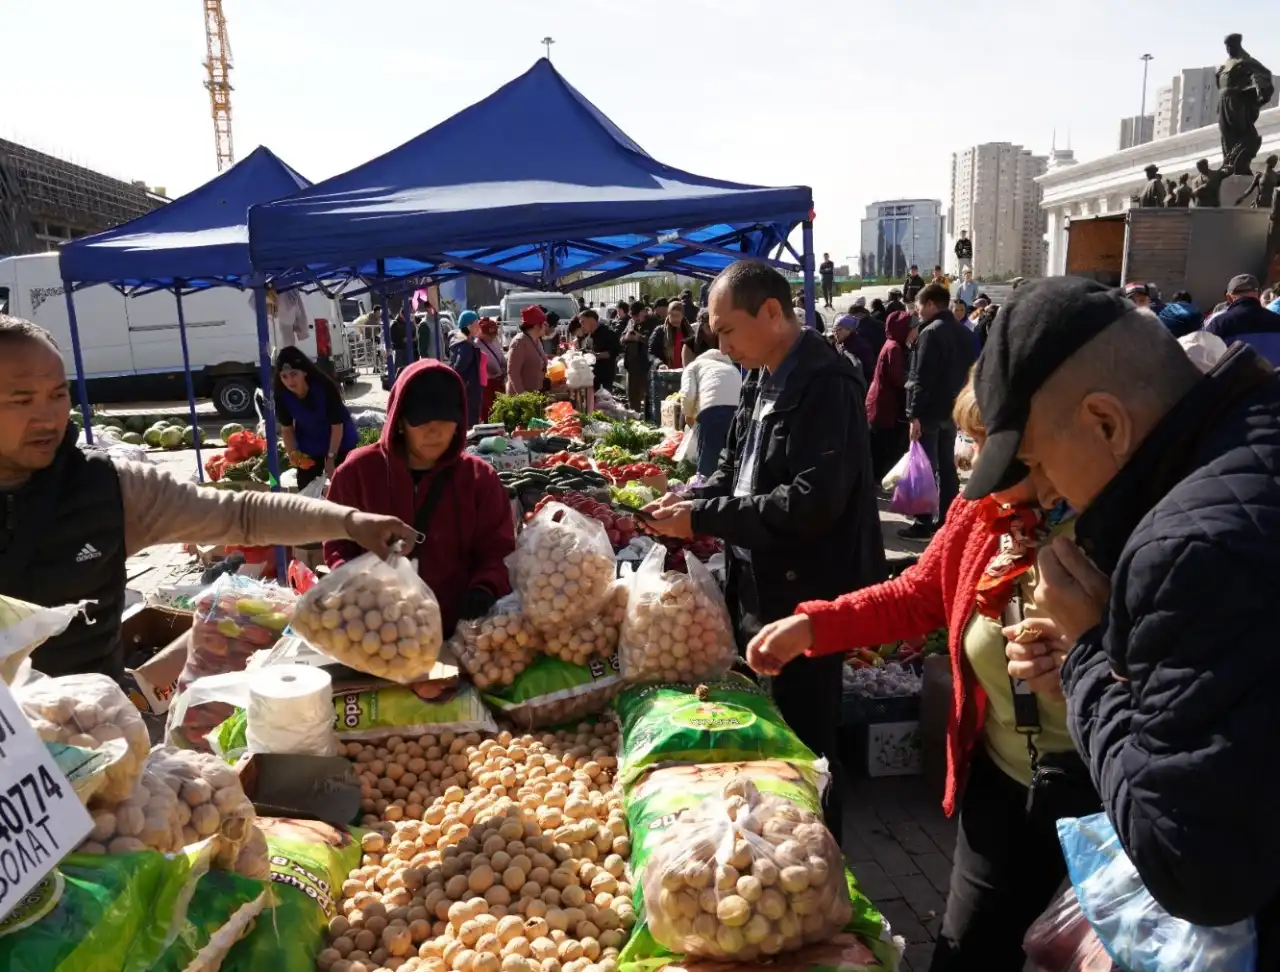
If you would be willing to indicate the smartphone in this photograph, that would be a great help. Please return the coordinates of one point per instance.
(643, 515)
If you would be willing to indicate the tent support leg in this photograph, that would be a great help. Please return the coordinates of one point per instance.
(186, 374)
(386, 322)
(410, 329)
(82, 391)
(810, 316)
(269, 400)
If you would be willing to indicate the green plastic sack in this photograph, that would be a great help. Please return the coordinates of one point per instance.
(222, 910)
(98, 913)
(720, 721)
(552, 692)
(653, 804)
(398, 711)
(309, 862)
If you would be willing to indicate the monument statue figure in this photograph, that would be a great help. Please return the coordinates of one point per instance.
(1154, 192)
(1244, 86)
(1206, 189)
(1180, 195)
(1264, 184)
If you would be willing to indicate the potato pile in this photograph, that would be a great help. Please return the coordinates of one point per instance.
(597, 638)
(562, 568)
(373, 621)
(677, 628)
(498, 647)
(151, 817)
(515, 862)
(91, 712)
(745, 877)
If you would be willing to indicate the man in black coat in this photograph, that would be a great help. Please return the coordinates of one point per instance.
(1164, 604)
(605, 345)
(912, 286)
(940, 363)
(793, 499)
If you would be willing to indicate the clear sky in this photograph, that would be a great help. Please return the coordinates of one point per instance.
(861, 101)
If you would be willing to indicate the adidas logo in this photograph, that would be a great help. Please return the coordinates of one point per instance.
(87, 552)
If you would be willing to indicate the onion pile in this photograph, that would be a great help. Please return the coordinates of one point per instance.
(562, 568)
(517, 859)
(598, 638)
(498, 647)
(745, 877)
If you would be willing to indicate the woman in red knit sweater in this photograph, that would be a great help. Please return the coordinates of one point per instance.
(976, 572)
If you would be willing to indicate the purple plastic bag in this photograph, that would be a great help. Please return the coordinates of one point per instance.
(917, 492)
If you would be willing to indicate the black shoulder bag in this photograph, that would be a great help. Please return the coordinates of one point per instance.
(435, 492)
(1061, 785)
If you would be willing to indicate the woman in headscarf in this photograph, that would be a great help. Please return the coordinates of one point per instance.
(495, 364)
(887, 397)
(464, 358)
(315, 424)
(526, 361)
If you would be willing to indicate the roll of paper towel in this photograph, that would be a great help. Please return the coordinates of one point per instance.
(290, 710)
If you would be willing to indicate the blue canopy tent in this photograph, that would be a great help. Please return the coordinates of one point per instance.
(531, 185)
(198, 241)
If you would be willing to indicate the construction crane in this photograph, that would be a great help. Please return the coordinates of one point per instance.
(217, 67)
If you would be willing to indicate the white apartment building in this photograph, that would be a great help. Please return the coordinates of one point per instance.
(899, 232)
(995, 197)
(1190, 101)
(1136, 130)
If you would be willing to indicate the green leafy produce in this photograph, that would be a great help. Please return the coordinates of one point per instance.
(516, 411)
(616, 455)
(633, 436)
(368, 436)
(635, 494)
(599, 417)
(685, 470)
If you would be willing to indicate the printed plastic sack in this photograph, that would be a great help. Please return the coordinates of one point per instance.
(894, 475)
(402, 712)
(496, 648)
(677, 628)
(552, 692)
(24, 628)
(235, 617)
(721, 721)
(655, 806)
(1062, 940)
(91, 712)
(222, 911)
(99, 914)
(917, 492)
(596, 638)
(1138, 933)
(376, 616)
(562, 568)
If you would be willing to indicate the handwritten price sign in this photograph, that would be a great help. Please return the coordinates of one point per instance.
(41, 818)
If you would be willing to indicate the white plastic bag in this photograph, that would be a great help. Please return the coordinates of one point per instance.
(24, 628)
(496, 648)
(376, 616)
(745, 876)
(562, 568)
(677, 628)
(598, 637)
(894, 475)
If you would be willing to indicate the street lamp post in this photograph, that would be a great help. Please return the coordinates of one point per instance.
(548, 41)
(1142, 111)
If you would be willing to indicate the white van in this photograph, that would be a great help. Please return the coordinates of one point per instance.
(130, 345)
(516, 301)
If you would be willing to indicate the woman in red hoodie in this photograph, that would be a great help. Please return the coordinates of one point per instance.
(974, 579)
(453, 499)
(887, 396)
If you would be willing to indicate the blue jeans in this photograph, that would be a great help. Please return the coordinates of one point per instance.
(713, 431)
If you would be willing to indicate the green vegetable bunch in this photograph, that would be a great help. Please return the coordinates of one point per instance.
(517, 411)
(633, 436)
(613, 455)
(635, 494)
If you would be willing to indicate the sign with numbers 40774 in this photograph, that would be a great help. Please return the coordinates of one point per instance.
(41, 818)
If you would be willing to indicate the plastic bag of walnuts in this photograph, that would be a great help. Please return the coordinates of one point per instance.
(562, 568)
(91, 712)
(677, 628)
(376, 616)
(598, 637)
(744, 877)
(496, 648)
(151, 816)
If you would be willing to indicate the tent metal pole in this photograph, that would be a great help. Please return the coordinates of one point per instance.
(82, 391)
(810, 317)
(410, 328)
(386, 322)
(186, 374)
(269, 402)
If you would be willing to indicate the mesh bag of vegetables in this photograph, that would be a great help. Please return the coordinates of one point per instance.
(562, 568)
(719, 721)
(677, 627)
(496, 648)
(687, 825)
(90, 712)
(376, 616)
(552, 692)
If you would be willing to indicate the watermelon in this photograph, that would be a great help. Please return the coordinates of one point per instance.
(190, 435)
(132, 438)
(230, 429)
(171, 438)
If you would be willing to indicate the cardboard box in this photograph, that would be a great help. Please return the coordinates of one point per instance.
(310, 555)
(155, 651)
(156, 680)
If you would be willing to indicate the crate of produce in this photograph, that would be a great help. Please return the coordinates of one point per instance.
(661, 384)
(880, 716)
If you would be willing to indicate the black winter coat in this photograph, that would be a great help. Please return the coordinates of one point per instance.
(940, 363)
(1174, 699)
(811, 523)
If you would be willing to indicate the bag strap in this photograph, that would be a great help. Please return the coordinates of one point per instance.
(435, 492)
(1026, 711)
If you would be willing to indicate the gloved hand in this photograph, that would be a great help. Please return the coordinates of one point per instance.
(475, 603)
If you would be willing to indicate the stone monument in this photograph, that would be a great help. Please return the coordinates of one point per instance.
(1206, 188)
(1263, 186)
(1244, 86)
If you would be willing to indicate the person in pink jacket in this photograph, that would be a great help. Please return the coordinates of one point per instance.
(526, 361)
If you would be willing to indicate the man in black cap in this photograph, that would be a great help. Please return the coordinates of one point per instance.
(1245, 319)
(1162, 607)
(912, 285)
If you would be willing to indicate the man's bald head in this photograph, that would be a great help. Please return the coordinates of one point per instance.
(1097, 408)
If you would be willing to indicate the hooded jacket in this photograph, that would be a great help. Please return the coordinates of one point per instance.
(887, 397)
(470, 532)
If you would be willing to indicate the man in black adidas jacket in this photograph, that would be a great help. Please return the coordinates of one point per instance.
(1166, 607)
(793, 498)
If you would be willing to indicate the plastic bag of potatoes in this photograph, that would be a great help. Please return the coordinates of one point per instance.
(90, 712)
(496, 648)
(597, 637)
(562, 568)
(744, 877)
(376, 616)
(677, 628)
